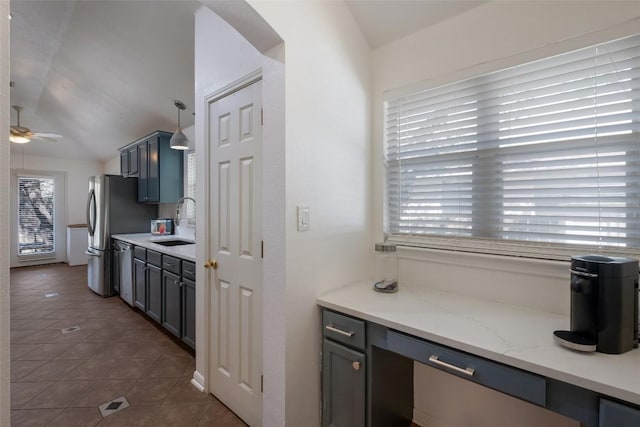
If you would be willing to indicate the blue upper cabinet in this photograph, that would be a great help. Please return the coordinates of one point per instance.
(159, 168)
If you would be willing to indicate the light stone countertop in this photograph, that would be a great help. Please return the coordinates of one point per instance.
(513, 335)
(147, 240)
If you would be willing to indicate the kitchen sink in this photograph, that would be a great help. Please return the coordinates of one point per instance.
(172, 242)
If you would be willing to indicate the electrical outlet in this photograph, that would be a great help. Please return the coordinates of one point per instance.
(304, 213)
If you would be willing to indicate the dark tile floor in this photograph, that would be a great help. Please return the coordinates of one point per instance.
(61, 379)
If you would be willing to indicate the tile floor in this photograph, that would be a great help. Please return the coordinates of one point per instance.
(60, 379)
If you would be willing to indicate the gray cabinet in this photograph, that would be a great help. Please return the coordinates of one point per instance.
(160, 170)
(147, 282)
(158, 167)
(613, 414)
(343, 386)
(172, 307)
(189, 312)
(343, 371)
(164, 288)
(129, 161)
(154, 292)
(140, 283)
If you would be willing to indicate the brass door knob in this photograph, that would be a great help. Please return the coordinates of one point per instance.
(212, 263)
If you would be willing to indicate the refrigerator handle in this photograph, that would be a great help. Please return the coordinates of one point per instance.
(91, 205)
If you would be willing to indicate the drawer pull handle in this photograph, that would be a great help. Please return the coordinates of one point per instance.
(339, 331)
(466, 371)
(356, 366)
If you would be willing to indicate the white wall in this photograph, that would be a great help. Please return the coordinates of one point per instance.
(489, 37)
(5, 363)
(328, 169)
(326, 147)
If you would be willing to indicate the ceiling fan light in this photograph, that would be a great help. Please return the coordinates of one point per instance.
(179, 141)
(19, 139)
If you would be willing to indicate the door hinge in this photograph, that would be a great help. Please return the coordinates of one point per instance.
(262, 249)
(261, 383)
(261, 117)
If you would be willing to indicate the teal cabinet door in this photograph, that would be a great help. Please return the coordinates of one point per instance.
(189, 312)
(343, 386)
(140, 284)
(172, 307)
(154, 292)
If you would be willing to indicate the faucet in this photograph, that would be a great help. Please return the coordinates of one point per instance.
(178, 205)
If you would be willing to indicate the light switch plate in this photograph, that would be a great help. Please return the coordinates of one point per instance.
(304, 213)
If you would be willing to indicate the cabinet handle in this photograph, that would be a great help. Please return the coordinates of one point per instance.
(339, 331)
(188, 271)
(466, 371)
(356, 366)
(168, 264)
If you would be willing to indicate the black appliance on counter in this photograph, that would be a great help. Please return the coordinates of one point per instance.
(604, 305)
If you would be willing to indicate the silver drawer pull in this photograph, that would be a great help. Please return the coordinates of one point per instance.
(339, 331)
(466, 371)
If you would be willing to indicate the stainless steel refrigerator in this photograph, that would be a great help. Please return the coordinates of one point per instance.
(112, 208)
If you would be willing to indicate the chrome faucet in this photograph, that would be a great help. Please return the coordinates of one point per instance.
(178, 205)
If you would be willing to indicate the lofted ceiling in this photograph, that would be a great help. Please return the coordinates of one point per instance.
(100, 73)
(103, 73)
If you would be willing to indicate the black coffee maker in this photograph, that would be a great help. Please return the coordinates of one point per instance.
(604, 305)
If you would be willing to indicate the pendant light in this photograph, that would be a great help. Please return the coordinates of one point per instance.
(178, 141)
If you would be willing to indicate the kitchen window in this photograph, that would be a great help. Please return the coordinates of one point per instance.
(538, 160)
(190, 185)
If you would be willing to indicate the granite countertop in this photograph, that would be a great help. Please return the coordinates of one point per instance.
(147, 240)
(513, 335)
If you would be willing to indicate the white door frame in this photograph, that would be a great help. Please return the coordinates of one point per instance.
(201, 378)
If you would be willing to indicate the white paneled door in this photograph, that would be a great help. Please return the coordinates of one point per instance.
(235, 215)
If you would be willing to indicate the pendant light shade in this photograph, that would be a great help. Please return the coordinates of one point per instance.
(179, 141)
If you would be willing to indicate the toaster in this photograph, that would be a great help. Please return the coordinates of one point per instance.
(161, 226)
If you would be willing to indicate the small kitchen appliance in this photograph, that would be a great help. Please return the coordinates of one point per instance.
(161, 226)
(604, 305)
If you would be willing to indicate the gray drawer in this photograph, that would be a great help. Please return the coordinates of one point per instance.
(188, 270)
(171, 264)
(614, 414)
(154, 258)
(140, 253)
(512, 381)
(343, 328)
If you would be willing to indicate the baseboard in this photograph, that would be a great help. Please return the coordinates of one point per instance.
(198, 381)
(425, 420)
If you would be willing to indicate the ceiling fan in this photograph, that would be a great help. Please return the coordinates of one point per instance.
(22, 135)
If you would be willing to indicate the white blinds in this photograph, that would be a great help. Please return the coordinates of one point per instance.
(544, 152)
(36, 215)
(191, 184)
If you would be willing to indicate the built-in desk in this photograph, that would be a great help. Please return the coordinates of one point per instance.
(504, 347)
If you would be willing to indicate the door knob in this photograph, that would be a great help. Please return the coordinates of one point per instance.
(212, 263)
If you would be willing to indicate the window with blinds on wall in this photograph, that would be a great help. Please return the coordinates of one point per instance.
(544, 153)
(36, 222)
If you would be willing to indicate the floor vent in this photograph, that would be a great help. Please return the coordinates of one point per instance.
(117, 404)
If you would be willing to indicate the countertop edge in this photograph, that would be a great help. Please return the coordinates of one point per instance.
(330, 301)
(142, 240)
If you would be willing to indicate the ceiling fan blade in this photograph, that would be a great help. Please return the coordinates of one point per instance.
(47, 135)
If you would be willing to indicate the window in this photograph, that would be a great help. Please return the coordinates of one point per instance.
(36, 222)
(190, 190)
(543, 154)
